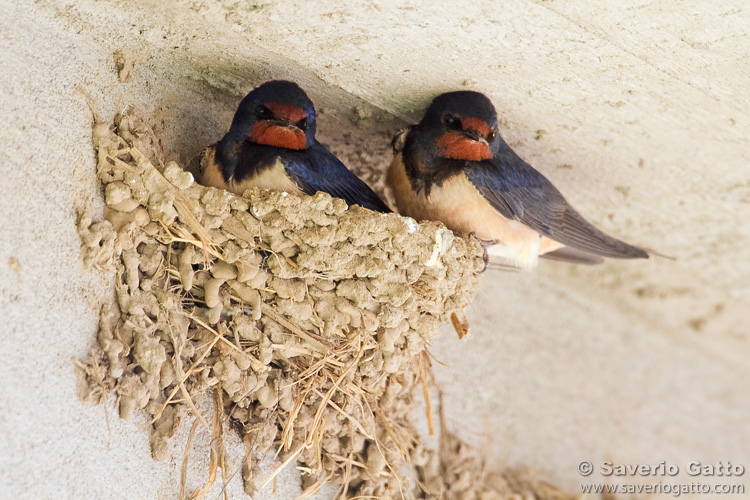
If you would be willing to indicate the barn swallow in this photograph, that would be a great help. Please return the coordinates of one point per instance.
(271, 145)
(454, 167)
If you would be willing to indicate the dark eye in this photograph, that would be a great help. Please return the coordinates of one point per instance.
(451, 121)
(491, 136)
(302, 124)
(263, 113)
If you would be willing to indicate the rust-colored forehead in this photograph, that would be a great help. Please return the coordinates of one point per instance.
(287, 111)
(477, 124)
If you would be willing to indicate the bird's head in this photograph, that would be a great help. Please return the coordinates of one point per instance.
(462, 126)
(277, 113)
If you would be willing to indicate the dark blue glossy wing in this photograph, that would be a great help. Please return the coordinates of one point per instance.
(519, 192)
(320, 170)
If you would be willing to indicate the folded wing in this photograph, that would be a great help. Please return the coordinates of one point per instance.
(519, 192)
(325, 172)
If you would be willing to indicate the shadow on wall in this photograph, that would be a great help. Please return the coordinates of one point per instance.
(195, 108)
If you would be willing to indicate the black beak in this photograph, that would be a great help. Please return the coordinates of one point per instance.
(284, 123)
(474, 135)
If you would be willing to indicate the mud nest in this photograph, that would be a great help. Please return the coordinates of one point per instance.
(302, 320)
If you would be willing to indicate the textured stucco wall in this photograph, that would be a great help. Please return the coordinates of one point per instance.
(636, 110)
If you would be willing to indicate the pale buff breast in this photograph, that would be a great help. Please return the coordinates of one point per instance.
(274, 177)
(463, 209)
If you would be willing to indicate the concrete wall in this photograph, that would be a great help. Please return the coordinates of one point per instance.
(638, 111)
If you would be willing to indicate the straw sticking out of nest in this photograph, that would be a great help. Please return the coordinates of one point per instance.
(302, 319)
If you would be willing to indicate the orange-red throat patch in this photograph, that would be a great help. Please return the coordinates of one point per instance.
(281, 136)
(459, 147)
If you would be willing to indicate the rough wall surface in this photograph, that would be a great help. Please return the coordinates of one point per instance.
(636, 110)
